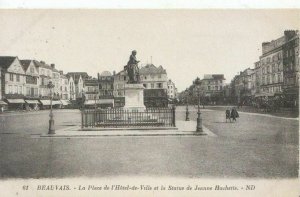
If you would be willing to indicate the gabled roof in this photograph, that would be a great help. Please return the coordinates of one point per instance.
(76, 76)
(151, 69)
(6, 61)
(25, 64)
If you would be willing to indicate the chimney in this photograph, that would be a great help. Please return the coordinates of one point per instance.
(61, 72)
(53, 66)
(42, 62)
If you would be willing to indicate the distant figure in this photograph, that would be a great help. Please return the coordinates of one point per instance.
(227, 113)
(132, 68)
(2, 109)
(234, 114)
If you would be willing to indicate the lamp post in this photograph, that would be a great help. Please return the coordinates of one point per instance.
(51, 120)
(187, 106)
(199, 129)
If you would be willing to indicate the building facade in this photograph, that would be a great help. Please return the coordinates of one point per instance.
(13, 76)
(91, 93)
(242, 87)
(291, 75)
(154, 80)
(106, 89)
(64, 86)
(212, 85)
(56, 81)
(79, 79)
(172, 90)
(106, 84)
(32, 79)
(45, 76)
(71, 88)
(271, 62)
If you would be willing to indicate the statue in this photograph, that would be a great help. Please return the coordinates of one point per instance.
(132, 69)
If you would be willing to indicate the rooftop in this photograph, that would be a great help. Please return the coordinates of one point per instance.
(214, 76)
(25, 64)
(105, 74)
(6, 61)
(151, 69)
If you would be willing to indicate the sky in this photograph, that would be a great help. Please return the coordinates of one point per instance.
(187, 43)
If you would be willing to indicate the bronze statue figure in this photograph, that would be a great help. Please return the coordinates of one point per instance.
(132, 68)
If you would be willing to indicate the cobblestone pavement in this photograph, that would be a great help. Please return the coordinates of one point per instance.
(253, 147)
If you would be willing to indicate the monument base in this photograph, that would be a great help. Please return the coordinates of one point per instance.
(134, 98)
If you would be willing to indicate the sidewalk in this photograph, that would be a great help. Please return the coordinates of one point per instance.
(292, 113)
(184, 128)
(22, 112)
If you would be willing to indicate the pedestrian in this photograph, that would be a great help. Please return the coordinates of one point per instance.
(234, 114)
(227, 113)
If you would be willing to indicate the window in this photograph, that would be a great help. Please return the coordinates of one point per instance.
(20, 90)
(16, 90)
(145, 85)
(31, 70)
(159, 76)
(10, 89)
(27, 91)
(159, 85)
(11, 77)
(152, 85)
(124, 78)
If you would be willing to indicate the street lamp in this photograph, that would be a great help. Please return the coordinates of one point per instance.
(187, 106)
(51, 120)
(199, 129)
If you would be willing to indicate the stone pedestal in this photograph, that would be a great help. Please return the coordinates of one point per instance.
(134, 97)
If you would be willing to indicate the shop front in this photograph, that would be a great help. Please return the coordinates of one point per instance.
(16, 104)
(3, 106)
(32, 105)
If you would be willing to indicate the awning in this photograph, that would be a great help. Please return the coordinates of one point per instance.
(16, 101)
(106, 101)
(45, 102)
(91, 102)
(3, 103)
(32, 101)
(65, 102)
(56, 103)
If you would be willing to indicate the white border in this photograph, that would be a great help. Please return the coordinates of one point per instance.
(150, 4)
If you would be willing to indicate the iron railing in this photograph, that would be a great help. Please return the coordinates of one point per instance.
(120, 118)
